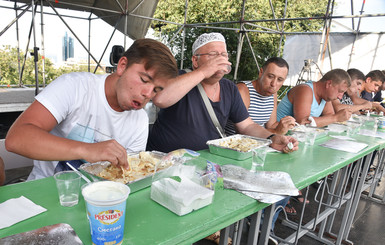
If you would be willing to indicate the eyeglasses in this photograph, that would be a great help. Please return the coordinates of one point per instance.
(213, 54)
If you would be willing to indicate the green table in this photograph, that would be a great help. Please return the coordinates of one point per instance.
(149, 223)
(305, 166)
(146, 221)
(309, 163)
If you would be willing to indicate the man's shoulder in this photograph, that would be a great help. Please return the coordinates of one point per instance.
(302, 88)
(364, 93)
(78, 77)
(225, 81)
(242, 87)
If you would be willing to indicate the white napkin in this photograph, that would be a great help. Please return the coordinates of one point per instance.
(15, 210)
(312, 122)
(344, 145)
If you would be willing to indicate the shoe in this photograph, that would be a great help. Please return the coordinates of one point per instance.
(290, 210)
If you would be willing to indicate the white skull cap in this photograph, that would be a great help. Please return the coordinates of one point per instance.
(206, 38)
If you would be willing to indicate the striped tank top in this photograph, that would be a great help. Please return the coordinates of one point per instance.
(259, 110)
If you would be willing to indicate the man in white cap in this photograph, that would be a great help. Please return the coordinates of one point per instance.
(184, 121)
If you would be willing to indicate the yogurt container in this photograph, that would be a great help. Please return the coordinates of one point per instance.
(106, 210)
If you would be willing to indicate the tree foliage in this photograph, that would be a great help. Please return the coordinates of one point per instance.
(263, 35)
(9, 68)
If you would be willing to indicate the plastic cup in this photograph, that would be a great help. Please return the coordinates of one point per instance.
(352, 128)
(68, 186)
(371, 124)
(310, 137)
(299, 136)
(106, 210)
(258, 158)
(228, 69)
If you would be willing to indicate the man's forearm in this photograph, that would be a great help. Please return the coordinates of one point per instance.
(177, 88)
(35, 143)
(256, 131)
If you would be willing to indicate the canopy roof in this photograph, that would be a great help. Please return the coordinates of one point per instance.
(131, 17)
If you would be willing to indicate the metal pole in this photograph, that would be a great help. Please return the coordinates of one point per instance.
(184, 34)
(357, 33)
(42, 43)
(325, 30)
(89, 42)
(328, 40)
(125, 25)
(13, 21)
(283, 26)
(240, 41)
(252, 51)
(352, 12)
(272, 11)
(35, 49)
(238, 57)
(18, 47)
(104, 51)
(25, 54)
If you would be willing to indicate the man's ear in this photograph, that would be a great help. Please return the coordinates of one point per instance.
(122, 65)
(194, 60)
(260, 72)
(368, 80)
(328, 83)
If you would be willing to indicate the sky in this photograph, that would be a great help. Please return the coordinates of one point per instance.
(54, 29)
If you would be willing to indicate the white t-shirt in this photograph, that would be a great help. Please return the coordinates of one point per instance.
(79, 104)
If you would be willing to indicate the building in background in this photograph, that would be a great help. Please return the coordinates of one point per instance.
(67, 47)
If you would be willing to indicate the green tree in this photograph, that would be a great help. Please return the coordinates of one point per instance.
(264, 42)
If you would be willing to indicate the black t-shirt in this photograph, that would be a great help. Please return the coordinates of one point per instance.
(367, 96)
(187, 124)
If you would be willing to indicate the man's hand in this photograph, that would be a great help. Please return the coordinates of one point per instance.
(284, 125)
(285, 144)
(218, 64)
(378, 107)
(109, 150)
(343, 115)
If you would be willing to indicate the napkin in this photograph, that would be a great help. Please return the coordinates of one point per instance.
(15, 210)
(344, 145)
(312, 122)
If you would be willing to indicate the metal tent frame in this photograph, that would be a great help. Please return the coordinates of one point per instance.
(119, 18)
